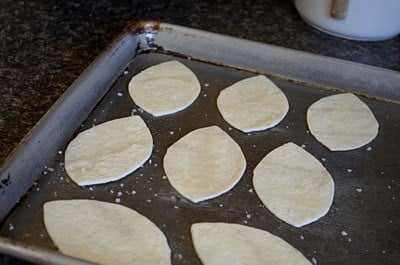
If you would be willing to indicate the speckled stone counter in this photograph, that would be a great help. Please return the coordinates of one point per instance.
(45, 45)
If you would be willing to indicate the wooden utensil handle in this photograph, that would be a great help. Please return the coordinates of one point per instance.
(339, 9)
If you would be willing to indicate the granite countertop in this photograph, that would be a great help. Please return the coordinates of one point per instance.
(45, 45)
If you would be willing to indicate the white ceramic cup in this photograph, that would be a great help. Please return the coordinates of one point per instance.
(366, 20)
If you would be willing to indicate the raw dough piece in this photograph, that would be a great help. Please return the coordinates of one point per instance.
(225, 243)
(204, 164)
(109, 151)
(105, 233)
(164, 88)
(342, 122)
(253, 104)
(294, 185)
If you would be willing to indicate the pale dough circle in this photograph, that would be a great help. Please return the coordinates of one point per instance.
(226, 243)
(253, 104)
(105, 233)
(342, 122)
(204, 164)
(294, 185)
(164, 88)
(109, 151)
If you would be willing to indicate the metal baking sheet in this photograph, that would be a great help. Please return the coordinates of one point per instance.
(366, 204)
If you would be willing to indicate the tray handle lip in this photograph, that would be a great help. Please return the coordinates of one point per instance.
(148, 26)
(16, 160)
(36, 254)
(159, 28)
(136, 28)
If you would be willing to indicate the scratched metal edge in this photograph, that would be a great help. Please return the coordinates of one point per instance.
(21, 168)
(282, 63)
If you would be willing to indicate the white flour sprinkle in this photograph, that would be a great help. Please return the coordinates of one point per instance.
(119, 94)
(10, 227)
(251, 190)
(314, 260)
(383, 251)
(60, 152)
(221, 205)
(389, 187)
(171, 132)
(119, 194)
(358, 189)
(148, 200)
(369, 148)
(349, 170)
(344, 233)
(126, 72)
(121, 185)
(248, 216)
(90, 188)
(133, 192)
(111, 191)
(205, 95)
(176, 207)
(303, 146)
(301, 237)
(323, 159)
(206, 84)
(50, 169)
(117, 200)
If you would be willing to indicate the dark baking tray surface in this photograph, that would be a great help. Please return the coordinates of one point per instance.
(366, 203)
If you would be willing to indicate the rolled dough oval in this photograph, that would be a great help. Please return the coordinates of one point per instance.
(164, 88)
(105, 233)
(342, 122)
(253, 104)
(294, 185)
(109, 151)
(204, 164)
(226, 243)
